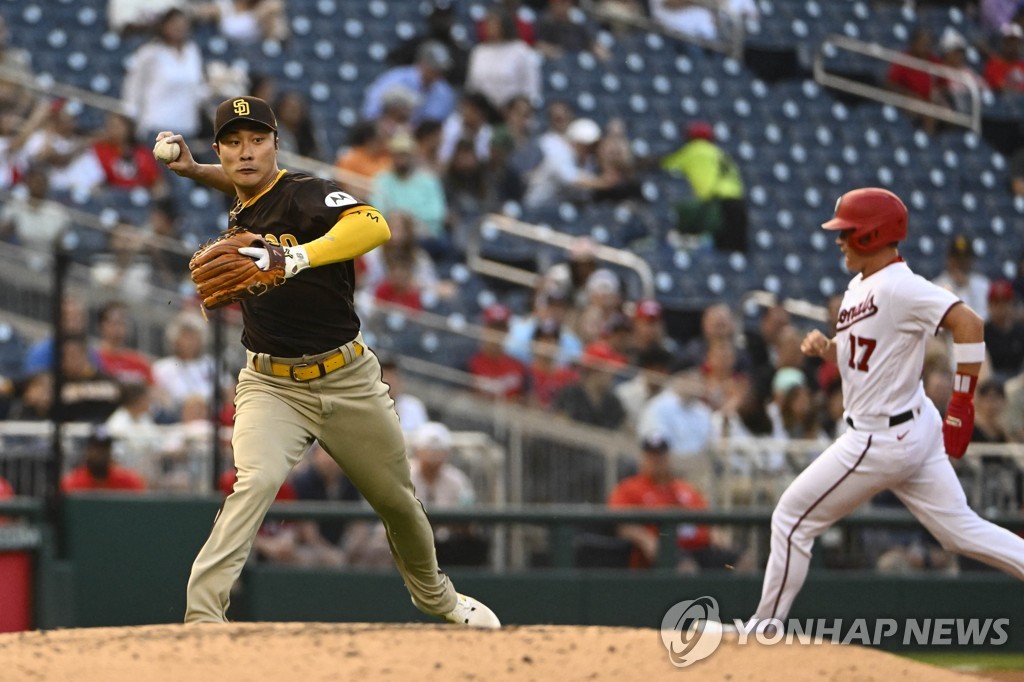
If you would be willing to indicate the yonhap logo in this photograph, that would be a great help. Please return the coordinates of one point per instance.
(684, 632)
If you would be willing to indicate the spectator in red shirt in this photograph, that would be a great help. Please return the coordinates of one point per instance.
(125, 163)
(98, 471)
(399, 285)
(495, 373)
(913, 82)
(117, 359)
(655, 487)
(1004, 71)
(649, 329)
(546, 376)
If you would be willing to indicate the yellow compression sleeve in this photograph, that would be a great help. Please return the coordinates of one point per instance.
(357, 231)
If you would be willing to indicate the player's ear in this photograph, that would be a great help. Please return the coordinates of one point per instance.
(216, 149)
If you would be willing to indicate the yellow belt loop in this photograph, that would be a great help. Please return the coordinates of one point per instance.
(263, 364)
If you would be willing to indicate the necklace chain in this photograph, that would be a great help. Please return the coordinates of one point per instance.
(239, 204)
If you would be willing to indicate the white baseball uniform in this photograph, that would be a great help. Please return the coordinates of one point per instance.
(895, 440)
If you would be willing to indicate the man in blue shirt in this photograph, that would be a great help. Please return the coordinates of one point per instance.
(425, 78)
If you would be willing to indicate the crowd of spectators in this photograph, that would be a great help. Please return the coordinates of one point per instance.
(450, 131)
(997, 66)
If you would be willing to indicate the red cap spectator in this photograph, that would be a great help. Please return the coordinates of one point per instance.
(648, 309)
(497, 315)
(1000, 290)
(700, 130)
(600, 355)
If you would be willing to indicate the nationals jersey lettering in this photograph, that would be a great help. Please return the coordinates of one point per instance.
(880, 339)
(850, 316)
(307, 315)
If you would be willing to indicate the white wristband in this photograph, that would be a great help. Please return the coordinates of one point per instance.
(295, 260)
(968, 352)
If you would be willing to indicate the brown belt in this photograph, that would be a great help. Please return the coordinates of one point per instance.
(307, 371)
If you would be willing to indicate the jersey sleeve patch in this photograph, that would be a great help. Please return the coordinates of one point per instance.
(340, 200)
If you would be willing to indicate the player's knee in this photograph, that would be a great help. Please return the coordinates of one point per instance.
(782, 519)
(260, 483)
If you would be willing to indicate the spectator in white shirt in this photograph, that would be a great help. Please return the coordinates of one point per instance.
(503, 66)
(680, 414)
(58, 146)
(137, 437)
(246, 21)
(960, 278)
(470, 122)
(567, 170)
(187, 371)
(32, 220)
(441, 485)
(165, 87)
(438, 483)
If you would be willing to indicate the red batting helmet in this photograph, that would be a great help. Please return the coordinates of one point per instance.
(876, 216)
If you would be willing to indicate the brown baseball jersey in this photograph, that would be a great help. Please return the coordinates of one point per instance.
(315, 312)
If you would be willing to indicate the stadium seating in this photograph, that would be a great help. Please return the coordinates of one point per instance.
(798, 145)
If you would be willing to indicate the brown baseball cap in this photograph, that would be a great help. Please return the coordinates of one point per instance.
(252, 109)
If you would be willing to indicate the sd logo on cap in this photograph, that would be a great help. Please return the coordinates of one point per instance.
(238, 109)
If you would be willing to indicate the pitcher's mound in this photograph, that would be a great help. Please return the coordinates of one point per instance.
(244, 652)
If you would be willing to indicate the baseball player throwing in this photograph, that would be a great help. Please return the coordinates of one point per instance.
(309, 373)
(897, 439)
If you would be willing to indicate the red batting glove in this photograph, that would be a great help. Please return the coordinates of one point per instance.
(959, 424)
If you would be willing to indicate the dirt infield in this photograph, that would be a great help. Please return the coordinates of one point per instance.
(380, 652)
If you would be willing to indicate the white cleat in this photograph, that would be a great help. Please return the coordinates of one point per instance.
(473, 614)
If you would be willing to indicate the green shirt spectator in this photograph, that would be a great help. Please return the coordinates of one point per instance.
(719, 208)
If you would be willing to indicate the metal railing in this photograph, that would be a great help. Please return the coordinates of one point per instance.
(549, 237)
(971, 119)
(46, 85)
(25, 448)
(794, 306)
(731, 30)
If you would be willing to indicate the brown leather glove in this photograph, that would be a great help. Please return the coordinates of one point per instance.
(222, 275)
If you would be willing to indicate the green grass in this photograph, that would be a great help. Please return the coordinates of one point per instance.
(978, 661)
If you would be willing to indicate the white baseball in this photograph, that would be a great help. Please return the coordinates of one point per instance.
(165, 151)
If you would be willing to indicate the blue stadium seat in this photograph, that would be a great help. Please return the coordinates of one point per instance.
(12, 351)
